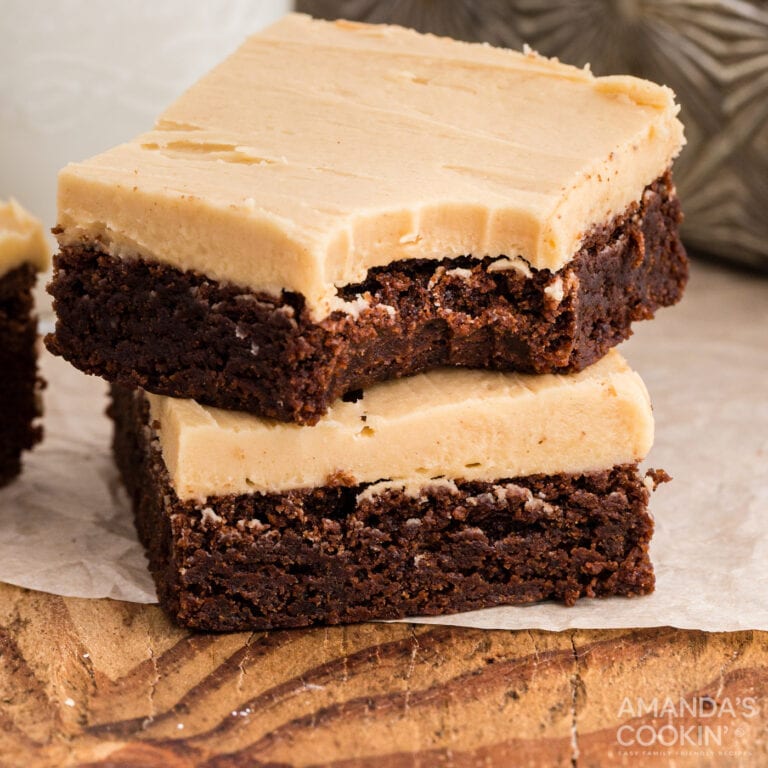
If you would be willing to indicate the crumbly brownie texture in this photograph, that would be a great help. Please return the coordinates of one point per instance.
(19, 383)
(180, 334)
(324, 555)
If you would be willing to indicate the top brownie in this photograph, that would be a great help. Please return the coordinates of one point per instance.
(338, 187)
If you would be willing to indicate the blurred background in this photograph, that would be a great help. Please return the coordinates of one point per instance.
(77, 76)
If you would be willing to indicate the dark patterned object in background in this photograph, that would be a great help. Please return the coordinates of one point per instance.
(713, 53)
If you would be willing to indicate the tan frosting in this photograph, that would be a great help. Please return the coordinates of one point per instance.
(319, 150)
(21, 239)
(453, 423)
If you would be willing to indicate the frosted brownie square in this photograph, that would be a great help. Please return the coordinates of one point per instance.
(450, 491)
(338, 204)
(23, 252)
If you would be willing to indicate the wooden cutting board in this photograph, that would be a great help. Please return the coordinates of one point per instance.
(105, 683)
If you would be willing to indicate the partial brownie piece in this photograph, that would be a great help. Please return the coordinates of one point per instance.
(177, 333)
(241, 535)
(23, 252)
(379, 203)
(19, 399)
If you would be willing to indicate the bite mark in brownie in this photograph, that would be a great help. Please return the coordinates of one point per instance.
(181, 334)
(336, 554)
(19, 382)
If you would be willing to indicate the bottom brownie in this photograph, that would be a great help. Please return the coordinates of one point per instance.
(19, 399)
(345, 553)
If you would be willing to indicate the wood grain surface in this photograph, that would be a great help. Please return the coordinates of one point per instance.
(104, 683)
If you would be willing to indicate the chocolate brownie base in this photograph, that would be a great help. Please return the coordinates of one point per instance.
(19, 399)
(335, 554)
(180, 334)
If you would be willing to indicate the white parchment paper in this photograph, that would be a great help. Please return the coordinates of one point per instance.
(65, 526)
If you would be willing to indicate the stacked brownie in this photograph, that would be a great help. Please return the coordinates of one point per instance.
(357, 293)
(23, 252)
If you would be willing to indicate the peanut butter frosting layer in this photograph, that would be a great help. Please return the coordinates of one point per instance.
(321, 149)
(434, 427)
(22, 240)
